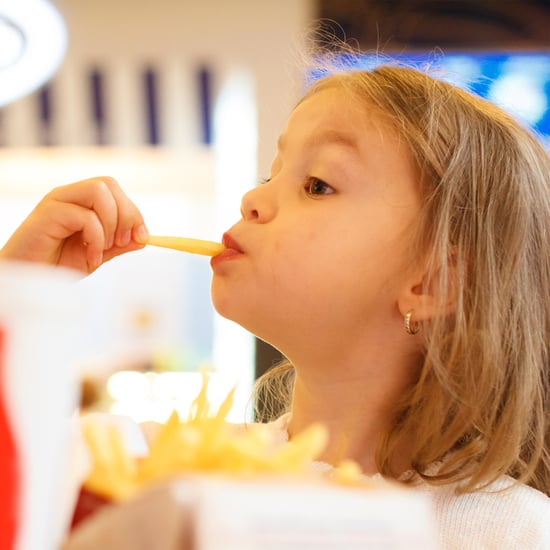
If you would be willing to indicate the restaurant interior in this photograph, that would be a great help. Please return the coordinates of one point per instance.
(182, 102)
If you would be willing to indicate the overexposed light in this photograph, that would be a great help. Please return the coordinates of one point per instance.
(180, 387)
(521, 94)
(154, 396)
(461, 70)
(146, 411)
(128, 386)
(12, 43)
(235, 145)
(235, 150)
(33, 40)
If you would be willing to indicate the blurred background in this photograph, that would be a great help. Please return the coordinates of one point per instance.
(182, 102)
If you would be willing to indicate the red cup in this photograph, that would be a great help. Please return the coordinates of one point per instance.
(9, 471)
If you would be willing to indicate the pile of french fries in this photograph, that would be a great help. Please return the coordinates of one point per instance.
(203, 443)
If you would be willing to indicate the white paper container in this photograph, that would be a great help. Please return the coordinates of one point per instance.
(212, 512)
(281, 514)
(40, 318)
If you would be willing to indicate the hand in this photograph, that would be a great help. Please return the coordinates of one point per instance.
(81, 226)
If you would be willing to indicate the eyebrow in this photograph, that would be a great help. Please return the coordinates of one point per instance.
(326, 138)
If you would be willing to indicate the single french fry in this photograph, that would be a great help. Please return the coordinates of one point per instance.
(194, 246)
(200, 406)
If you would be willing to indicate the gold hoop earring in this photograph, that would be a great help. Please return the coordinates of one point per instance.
(411, 327)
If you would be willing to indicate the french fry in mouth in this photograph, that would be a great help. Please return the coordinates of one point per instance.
(194, 246)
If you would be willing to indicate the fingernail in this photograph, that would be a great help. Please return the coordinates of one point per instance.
(110, 242)
(141, 234)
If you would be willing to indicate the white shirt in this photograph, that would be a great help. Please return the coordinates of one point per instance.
(504, 516)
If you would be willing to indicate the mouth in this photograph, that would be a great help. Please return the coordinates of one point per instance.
(232, 250)
(230, 243)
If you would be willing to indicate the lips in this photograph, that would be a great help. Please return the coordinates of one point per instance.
(232, 251)
(230, 243)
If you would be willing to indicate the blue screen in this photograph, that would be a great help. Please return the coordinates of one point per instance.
(518, 82)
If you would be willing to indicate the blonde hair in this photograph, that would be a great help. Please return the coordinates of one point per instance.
(482, 400)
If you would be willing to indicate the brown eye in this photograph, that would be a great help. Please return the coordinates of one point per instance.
(315, 186)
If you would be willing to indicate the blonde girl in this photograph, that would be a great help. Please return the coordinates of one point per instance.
(399, 257)
(483, 234)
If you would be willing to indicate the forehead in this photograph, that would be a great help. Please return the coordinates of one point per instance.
(335, 115)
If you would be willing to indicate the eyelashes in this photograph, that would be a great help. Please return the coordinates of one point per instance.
(315, 186)
(312, 186)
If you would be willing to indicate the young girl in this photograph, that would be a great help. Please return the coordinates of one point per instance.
(399, 257)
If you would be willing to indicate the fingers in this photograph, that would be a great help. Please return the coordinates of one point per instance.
(80, 225)
(119, 217)
(130, 222)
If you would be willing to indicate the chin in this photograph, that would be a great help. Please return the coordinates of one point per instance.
(243, 317)
(264, 323)
(232, 304)
(222, 308)
(228, 306)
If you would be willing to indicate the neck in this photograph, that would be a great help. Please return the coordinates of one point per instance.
(355, 400)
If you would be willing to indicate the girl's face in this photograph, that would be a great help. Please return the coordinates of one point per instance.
(317, 259)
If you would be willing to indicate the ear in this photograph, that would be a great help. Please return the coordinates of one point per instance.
(424, 295)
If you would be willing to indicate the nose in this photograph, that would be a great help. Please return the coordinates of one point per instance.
(257, 205)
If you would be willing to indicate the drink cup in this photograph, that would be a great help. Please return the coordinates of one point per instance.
(40, 330)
